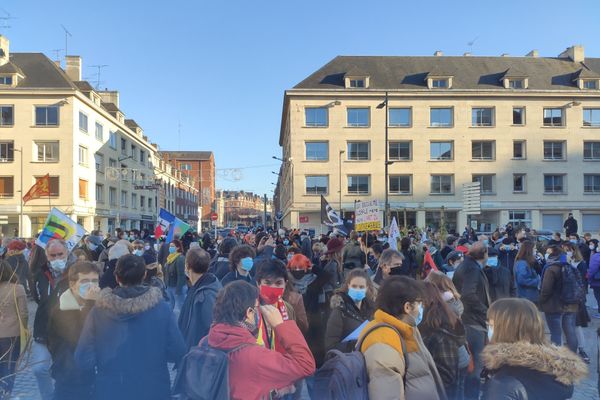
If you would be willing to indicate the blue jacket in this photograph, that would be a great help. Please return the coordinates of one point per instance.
(528, 281)
(128, 337)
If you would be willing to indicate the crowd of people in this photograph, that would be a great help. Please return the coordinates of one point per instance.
(429, 316)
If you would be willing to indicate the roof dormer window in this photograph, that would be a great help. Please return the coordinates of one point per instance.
(6, 80)
(516, 83)
(440, 83)
(437, 80)
(357, 83)
(590, 84)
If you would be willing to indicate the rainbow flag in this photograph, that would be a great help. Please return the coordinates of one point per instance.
(60, 226)
(178, 228)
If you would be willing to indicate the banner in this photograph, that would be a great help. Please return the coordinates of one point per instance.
(393, 235)
(60, 226)
(368, 217)
(163, 224)
(330, 218)
(39, 189)
(178, 228)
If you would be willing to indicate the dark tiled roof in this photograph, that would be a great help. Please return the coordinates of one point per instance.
(110, 107)
(188, 155)
(84, 86)
(10, 68)
(40, 72)
(131, 124)
(388, 72)
(585, 73)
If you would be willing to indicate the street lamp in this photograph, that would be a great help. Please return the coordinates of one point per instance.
(387, 162)
(340, 192)
(20, 150)
(277, 158)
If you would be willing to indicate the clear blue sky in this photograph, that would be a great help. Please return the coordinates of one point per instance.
(220, 68)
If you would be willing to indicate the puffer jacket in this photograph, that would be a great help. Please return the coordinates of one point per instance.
(386, 365)
(345, 317)
(524, 371)
(528, 281)
(550, 301)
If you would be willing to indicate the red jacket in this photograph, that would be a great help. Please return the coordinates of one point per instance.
(254, 370)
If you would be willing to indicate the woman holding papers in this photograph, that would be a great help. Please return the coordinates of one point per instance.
(351, 307)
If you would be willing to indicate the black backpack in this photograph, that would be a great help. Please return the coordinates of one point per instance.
(204, 373)
(571, 291)
(343, 376)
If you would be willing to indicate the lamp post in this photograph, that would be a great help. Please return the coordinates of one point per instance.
(20, 150)
(387, 162)
(340, 192)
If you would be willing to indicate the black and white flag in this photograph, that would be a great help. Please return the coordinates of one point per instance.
(330, 218)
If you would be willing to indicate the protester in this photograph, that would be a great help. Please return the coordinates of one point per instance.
(453, 260)
(449, 247)
(116, 251)
(175, 278)
(16, 258)
(447, 290)
(389, 262)
(570, 225)
(64, 329)
(298, 277)
(527, 279)
(400, 305)
(196, 314)
(219, 266)
(93, 246)
(520, 362)
(241, 262)
(254, 371)
(353, 304)
(129, 337)
(594, 277)
(500, 279)
(352, 255)
(13, 314)
(334, 265)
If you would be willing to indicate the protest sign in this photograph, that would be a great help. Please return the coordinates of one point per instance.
(368, 217)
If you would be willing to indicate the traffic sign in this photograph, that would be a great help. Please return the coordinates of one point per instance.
(214, 216)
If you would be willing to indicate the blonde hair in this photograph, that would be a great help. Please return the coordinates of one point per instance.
(443, 283)
(516, 320)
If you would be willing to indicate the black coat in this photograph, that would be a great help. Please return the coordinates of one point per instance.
(345, 317)
(501, 283)
(570, 226)
(47, 303)
(472, 284)
(108, 278)
(219, 266)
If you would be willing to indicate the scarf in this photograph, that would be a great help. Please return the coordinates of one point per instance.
(172, 257)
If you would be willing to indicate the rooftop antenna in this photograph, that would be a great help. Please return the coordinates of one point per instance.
(5, 18)
(178, 135)
(99, 66)
(67, 34)
(57, 52)
(471, 43)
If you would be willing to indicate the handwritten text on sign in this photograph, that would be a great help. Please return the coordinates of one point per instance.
(367, 216)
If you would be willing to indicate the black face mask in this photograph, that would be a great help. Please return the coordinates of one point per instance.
(298, 274)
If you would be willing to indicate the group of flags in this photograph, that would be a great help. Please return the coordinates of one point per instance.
(169, 225)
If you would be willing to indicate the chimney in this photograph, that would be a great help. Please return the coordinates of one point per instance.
(110, 96)
(574, 53)
(533, 53)
(4, 50)
(73, 67)
(438, 53)
(467, 54)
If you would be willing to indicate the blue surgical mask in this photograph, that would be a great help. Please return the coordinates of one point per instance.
(490, 333)
(492, 261)
(247, 263)
(486, 242)
(138, 252)
(286, 242)
(84, 287)
(58, 265)
(574, 241)
(172, 250)
(357, 294)
(289, 256)
(420, 316)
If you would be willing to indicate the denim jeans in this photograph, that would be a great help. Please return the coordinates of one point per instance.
(597, 296)
(559, 323)
(176, 299)
(41, 361)
(476, 338)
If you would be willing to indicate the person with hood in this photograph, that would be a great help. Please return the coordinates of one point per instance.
(237, 316)
(64, 330)
(129, 337)
(219, 266)
(116, 251)
(196, 314)
(16, 259)
(353, 304)
(175, 278)
(352, 254)
(453, 260)
(444, 336)
(93, 246)
(520, 363)
(527, 278)
(241, 262)
(500, 280)
(570, 225)
(392, 373)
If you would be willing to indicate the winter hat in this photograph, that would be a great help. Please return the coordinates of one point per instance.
(118, 250)
(334, 245)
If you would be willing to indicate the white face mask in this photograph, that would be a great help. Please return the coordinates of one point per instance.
(592, 247)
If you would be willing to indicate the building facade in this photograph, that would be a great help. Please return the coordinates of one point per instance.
(200, 166)
(526, 128)
(239, 207)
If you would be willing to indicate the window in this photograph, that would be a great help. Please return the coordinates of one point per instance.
(519, 217)
(83, 122)
(112, 163)
(482, 116)
(133, 200)
(47, 151)
(440, 151)
(99, 132)
(439, 83)
(519, 150)
(6, 80)
(123, 198)
(143, 159)
(518, 116)
(400, 151)
(7, 187)
(317, 151)
(83, 156)
(149, 203)
(554, 184)
(591, 183)
(7, 152)
(83, 189)
(357, 83)
(591, 117)
(99, 162)
(112, 196)
(6, 115)
(316, 116)
(553, 117)
(440, 117)
(358, 184)
(516, 83)
(441, 184)
(134, 152)
(400, 117)
(482, 150)
(519, 183)
(317, 184)
(591, 151)
(358, 151)
(486, 181)
(112, 140)
(99, 193)
(184, 166)
(590, 84)
(358, 117)
(142, 202)
(400, 184)
(53, 185)
(123, 146)
(46, 116)
(554, 150)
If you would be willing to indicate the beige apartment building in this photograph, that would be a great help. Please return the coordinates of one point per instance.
(102, 168)
(527, 128)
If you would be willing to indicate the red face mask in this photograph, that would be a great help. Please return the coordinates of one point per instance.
(270, 294)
